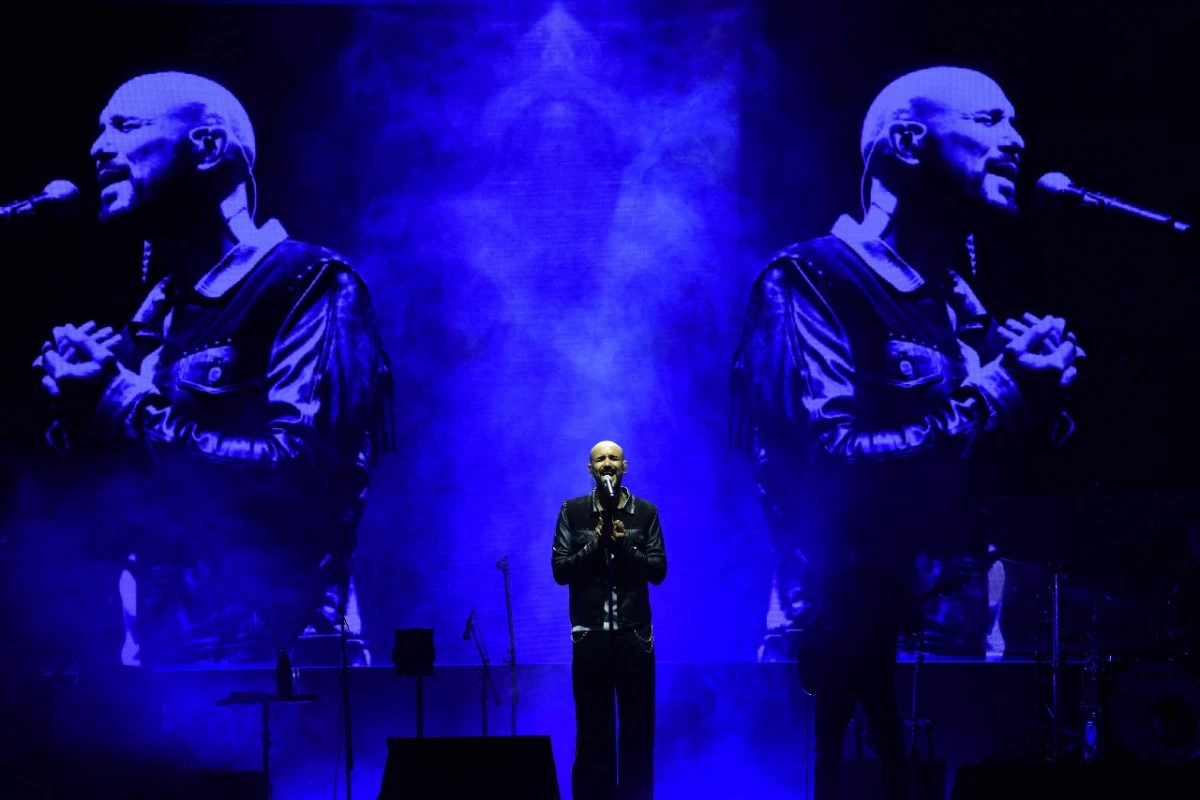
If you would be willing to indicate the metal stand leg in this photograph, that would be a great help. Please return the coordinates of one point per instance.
(912, 749)
(420, 708)
(346, 709)
(1038, 742)
(266, 747)
(484, 679)
(1054, 664)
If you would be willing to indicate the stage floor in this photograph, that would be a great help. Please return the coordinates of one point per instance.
(723, 730)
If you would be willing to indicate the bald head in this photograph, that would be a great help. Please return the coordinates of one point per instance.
(607, 458)
(189, 97)
(170, 145)
(919, 96)
(945, 135)
(606, 447)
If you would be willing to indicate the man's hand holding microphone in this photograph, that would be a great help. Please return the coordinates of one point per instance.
(608, 529)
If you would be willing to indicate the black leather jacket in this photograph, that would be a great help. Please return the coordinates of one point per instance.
(577, 561)
(865, 416)
(271, 359)
(249, 408)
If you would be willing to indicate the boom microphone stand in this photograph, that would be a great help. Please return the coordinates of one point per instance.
(513, 692)
(485, 670)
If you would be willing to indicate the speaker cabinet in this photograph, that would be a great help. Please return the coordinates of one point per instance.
(862, 779)
(470, 767)
(1094, 781)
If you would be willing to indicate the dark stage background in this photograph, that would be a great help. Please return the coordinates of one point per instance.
(559, 209)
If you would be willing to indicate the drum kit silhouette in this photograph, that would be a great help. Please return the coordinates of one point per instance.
(1138, 705)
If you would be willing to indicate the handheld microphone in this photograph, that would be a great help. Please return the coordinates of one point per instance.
(467, 630)
(59, 197)
(1055, 188)
(608, 484)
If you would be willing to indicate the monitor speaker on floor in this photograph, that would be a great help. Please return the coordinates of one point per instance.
(1094, 781)
(469, 767)
(863, 778)
(83, 779)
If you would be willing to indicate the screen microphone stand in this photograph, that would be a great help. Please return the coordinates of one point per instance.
(513, 692)
(346, 704)
(485, 669)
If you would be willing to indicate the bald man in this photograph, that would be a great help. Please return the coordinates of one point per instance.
(608, 546)
(870, 383)
(242, 405)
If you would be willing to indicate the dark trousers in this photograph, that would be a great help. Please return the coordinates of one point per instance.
(855, 644)
(604, 664)
(875, 689)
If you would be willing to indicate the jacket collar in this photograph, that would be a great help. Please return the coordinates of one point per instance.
(239, 262)
(877, 255)
(889, 266)
(630, 501)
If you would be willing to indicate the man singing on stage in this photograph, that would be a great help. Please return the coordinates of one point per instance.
(239, 410)
(608, 545)
(870, 384)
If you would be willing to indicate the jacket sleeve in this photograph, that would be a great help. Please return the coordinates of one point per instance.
(568, 566)
(322, 378)
(795, 371)
(649, 563)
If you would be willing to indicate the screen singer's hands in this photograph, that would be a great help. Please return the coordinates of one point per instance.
(603, 537)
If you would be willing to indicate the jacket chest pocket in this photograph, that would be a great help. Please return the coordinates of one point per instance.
(580, 537)
(636, 535)
(217, 371)
(907, 364)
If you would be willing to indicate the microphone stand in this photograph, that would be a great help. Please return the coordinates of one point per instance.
(607, 521)
(485, 671)
(513, 692)
(346, 705)
(1055, 662)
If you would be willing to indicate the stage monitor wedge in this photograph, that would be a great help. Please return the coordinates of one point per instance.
(470, 768)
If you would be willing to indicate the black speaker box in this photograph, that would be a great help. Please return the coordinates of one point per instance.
(470, 767)
(84, 781)
(1094, 781)
(861, 779)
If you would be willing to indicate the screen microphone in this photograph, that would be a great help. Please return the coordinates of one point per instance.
(608, 484)
(59, 197)
(1055, 188)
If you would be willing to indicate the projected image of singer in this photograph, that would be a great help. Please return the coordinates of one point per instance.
(608, 546)
(870, 385)
(243, 403)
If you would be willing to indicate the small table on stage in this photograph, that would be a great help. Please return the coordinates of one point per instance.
(264, 700)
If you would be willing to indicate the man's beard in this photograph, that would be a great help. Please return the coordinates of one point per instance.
(961, 201)
(163, 215)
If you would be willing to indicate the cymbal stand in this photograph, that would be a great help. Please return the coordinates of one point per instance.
(1089, 696)
(1034, 744)
(1055, 663)
(916, 723)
